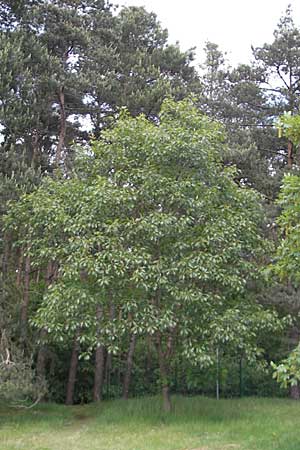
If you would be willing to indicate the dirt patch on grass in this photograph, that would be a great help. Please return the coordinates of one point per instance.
(81, 417)
(230, 446)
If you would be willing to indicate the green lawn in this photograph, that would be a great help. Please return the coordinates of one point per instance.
(196, 423)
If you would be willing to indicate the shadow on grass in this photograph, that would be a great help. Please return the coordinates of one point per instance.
(147, 410)
(49, 413)
(184, 410)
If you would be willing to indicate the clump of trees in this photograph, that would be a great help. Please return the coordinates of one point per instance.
(134, 240)
(152, 240)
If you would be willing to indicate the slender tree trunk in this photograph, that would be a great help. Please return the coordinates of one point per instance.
(166, 398)
(290, 155)
(5, 256)
(149, 354)
(99, 363)
(41, 358)
(62, 131)
(42, 353)
(149, 362)
(72, 371)
(295, 392)
(108, 369)
(108, 365)
(163, 368)
(20, 268)
(25, 303)
(37, 277)
(129, 365)
(99, 373)
(35, 149)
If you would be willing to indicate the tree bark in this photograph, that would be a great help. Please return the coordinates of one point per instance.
(62, 131)
(35, 149)
(20, 268)
(163, 368)
(108, 365)
(290, 155)
(129, 364)
(99, 363)
(25, 303)
(99, 373)
(51, 273)
(72, 371)
(108, 369)
(166, 398)
(295, 392)
(41, 358)
(5, 256)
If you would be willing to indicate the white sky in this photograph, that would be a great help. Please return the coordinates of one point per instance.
(232, 24)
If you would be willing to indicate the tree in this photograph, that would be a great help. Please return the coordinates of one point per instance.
(154, 226)
(235, 97)
(130, 63)
(287, 267)
(280, 63)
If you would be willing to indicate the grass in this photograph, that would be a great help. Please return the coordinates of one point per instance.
(196, 423)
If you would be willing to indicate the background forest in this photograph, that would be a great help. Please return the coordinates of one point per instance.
(146, 240)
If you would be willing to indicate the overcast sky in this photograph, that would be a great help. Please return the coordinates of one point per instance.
(232, 24)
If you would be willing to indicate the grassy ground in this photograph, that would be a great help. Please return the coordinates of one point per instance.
(195, 424)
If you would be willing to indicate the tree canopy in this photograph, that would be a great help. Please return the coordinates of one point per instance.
(154, 225)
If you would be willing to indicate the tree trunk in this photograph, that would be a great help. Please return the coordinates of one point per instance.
(20, 268)
(129, 364)
(62, 131)
(166, 398)
(25, 303)
(149, 354)
(108, 365)
(99, 373)
(164, 377)
(41, 358)
(35, 149)
(149, 362)
(99, 362)
(290, 155)
(5, 256)
(295, 392)
(42, 353)
(108, 369)
(72, 371)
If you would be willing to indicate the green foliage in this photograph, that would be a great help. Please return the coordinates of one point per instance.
(289, 126)
(130, 63)
(287, 373)
(287, 265)
(146, 225)
(156, 227)
(238, 98)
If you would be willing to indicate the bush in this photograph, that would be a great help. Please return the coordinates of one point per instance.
(18, 382)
